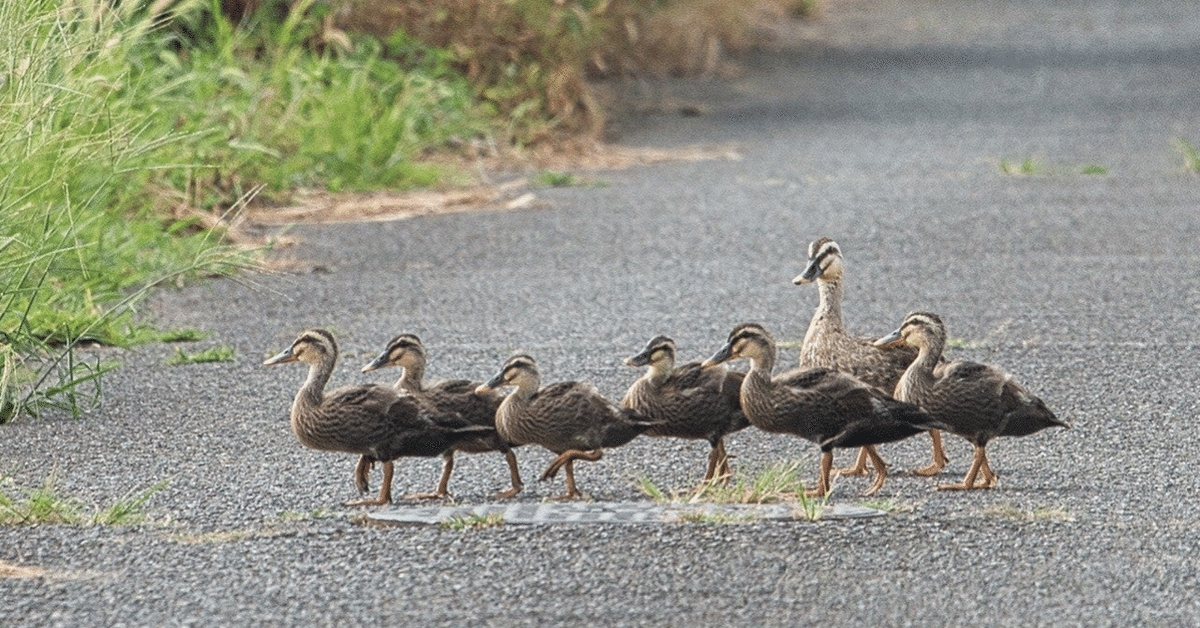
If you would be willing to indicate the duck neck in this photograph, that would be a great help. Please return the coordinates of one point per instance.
(658, 373)
(829, 306)
(919, 375)
(312, 393)
(410, 380)
(756, 390)
(512, 407)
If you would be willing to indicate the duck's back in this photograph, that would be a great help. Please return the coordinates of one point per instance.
(835, 349)
(693, 402)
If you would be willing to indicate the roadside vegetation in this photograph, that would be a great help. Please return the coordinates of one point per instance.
(133, 133)
(21, 506)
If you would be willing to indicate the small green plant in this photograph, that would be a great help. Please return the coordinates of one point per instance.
(1026, 167)
(1191, 158)
(219, 353)
(779, 482)
(44, 505)
(718, 517)
(1094, 169)
(182, 335)
(320, 513)
(473, 521)
(810, 508)
(128, 510)
(1043, 513)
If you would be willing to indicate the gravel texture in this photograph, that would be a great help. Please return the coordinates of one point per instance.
(882, 126)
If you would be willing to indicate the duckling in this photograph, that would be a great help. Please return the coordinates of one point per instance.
(976, 401)
(456, 396)
(570, 419)
(373, 421)
(822, 405)
(828, 344)
(691, 402)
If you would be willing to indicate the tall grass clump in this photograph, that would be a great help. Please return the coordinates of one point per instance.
(78, 243)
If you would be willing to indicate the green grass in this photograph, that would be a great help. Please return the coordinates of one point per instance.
(1191, 158)
(219, 353)
(552, 179)
(129, 143)
(473, 522)
(44, 505)
(1093, 169)
(1044, 513)
(778, 483)
(1028, 166)
(181, 335)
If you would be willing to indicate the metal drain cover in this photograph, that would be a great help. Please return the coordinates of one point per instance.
(615, 512)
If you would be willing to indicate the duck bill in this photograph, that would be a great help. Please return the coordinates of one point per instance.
(810, 274)
(893, 339)
(724, 354)
(641, 359)
(491, 384)
(379, 362)
(282, 357)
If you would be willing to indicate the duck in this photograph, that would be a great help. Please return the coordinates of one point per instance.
(456, 396)
(689, 401)
(975, 401)
(571, 419)
(828, 344)
(370, 420)
(823, 405)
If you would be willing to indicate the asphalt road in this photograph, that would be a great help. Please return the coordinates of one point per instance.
(884, 127)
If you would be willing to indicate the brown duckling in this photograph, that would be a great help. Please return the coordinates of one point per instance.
(373, 421)
(825, 406)
(690, 402)
(976, 401)
(828, 344)
(570, 419)
(456, 396)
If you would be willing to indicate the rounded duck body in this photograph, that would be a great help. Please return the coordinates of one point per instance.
(828, 344)
(454, 397)
(570, 419)
(976, 401)
(822, 405)
(689, 401)
(370, 420)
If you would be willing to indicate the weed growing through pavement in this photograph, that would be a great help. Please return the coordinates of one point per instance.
(1026, 167)
(19, 506)
(219, 353)
(1042, 513)
(1191, 158)
(187, 334)
(473, 522)
(779, 483)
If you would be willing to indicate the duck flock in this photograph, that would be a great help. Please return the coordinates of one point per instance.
(847, 392)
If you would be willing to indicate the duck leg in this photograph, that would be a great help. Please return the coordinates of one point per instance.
(725, 471)
(939, 456)
(860, 464)
(989, 477)
(362, 474)
(718, 465)
(569, 456)
(443, 484)
(385, 490)
(880, 470)
(968, 482)
(514, 473)
(572, 491)
(823, 485)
